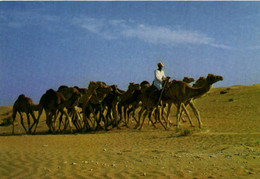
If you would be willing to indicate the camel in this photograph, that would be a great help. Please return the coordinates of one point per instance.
(180, 92)
(134, 103)
(186, 80)
(53, 102)
(68, 93)
(136, 98)
(84, 100)
(150, 102)
(26, 105)
(111, 102)
(125, 99)
(95, 104)
(198, 83)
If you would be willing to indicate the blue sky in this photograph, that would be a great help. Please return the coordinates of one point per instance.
(47, 44)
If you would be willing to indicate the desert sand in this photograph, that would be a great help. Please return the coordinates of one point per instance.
(228, 145)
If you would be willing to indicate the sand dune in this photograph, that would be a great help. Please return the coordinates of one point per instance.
(228, 146)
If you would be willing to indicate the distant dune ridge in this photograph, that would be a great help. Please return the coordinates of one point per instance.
(227, 146)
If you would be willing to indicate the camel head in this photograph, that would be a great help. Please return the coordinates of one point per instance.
(188, 80)
(114, 87)
(199, 82)
(211, 78)
(62, 87)
(133, 86)
(81, 90)
(75, 98)
(21, 96)
(145, 85)
(93, 85)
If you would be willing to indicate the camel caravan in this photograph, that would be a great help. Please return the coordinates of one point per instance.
(102, 106)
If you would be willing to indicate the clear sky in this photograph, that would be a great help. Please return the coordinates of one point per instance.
(47, 44)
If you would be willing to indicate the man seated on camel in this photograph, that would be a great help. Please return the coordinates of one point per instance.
(159, 78)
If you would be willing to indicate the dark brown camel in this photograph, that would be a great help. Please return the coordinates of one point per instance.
(110, 102)
(85, 98)
(72, 94)
(125, 99)
(24, 105)
(95, 105)
(53, 102)
(150, 102)
(180, 92)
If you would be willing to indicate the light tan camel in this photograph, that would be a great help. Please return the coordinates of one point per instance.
(169, 102)
(24, 105)
(180, 92)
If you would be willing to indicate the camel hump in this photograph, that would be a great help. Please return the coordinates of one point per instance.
(21, 96)
(62, 87)
(188, 79)
(144, 83)
(199, 82)
(133, 86)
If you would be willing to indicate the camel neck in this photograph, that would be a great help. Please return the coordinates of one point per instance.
(197, 92)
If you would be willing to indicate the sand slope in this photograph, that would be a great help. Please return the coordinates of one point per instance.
(228, 146)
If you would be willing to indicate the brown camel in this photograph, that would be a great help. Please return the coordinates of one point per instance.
(24, 105)
(134, 103)
(198, 83)
(84, 100)
(94, 105)
(169, 102)
(180, 92)
(150, 102)
(53, 102)
(73, 94)
(110, 102)
(125, 99)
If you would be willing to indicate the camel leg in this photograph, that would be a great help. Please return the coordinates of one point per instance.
(113, 116)
(48, 120)
(29, 123)
(76, 120)
(85, 117)
(150, 119)
(124, 109)
(38, 118)
(22, 122)
(144, 116)
(159, 117)
(60, 121)
(178, 115)
(162, 114)
(54, 121)
(80, 120)
(13, 116)
(187, 113)
(34, 120)
(139, 118)
(99, 119)
(196, 112)
(70, 122)
(168, 112)
(133, 114)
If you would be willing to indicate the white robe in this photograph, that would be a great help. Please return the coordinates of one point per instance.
(158, 79)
